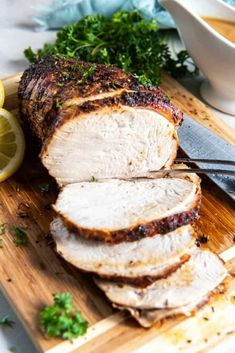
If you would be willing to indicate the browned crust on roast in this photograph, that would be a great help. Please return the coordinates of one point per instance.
(53, 80)
(64, 74)
(148, 229)
(144, 281)
(141, 281)
(141, 100)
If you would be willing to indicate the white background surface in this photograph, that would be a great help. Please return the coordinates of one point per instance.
(17, 32)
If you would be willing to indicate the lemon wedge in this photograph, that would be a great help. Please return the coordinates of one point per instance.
(2, 94)
(12, 144)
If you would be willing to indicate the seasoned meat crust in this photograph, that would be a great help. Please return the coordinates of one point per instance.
(52, 84)
(162, 226)
(141, 99)
(140, 262)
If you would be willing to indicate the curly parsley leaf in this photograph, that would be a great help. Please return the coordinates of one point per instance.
(61, 319)
(126, 40)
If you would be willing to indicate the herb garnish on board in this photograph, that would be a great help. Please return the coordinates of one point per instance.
(61, 319)
(20, 236)
(126, 40)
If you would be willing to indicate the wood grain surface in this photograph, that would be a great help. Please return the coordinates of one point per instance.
(30, 274)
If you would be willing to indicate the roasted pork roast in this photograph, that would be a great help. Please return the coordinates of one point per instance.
(102, 136)
(97, 121)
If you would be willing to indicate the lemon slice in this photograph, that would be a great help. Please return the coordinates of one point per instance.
(12, 144)
(2, 94)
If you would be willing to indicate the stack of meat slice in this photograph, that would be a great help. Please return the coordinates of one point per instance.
(102, 135)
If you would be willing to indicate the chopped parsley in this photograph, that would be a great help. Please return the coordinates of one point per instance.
(76, 67)
(89, 71)
(20, 236)
(125, 39)
(6, 321)
(58, 103)
(3, 228)
(93, 179)
(61, 319)
(67, 75)
(79, 81)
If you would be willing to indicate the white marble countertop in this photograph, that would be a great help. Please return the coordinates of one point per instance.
(17, 33)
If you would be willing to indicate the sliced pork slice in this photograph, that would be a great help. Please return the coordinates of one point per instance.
(136, 262)
(119, 210)
(192, 281)
(149, 317)
(96, 120)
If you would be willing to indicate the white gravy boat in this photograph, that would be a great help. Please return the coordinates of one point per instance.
(212, 53)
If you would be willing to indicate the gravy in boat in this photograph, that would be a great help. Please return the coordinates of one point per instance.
(224, 27)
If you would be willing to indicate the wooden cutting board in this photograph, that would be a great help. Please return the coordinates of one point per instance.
(30, 274)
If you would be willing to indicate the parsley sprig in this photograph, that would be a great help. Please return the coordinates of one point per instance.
(20, 236)
(61, 319)
(126, 40)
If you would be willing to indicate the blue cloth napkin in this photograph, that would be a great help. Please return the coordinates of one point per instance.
(64, 12)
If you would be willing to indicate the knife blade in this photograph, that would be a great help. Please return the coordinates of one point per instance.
(199, 142)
